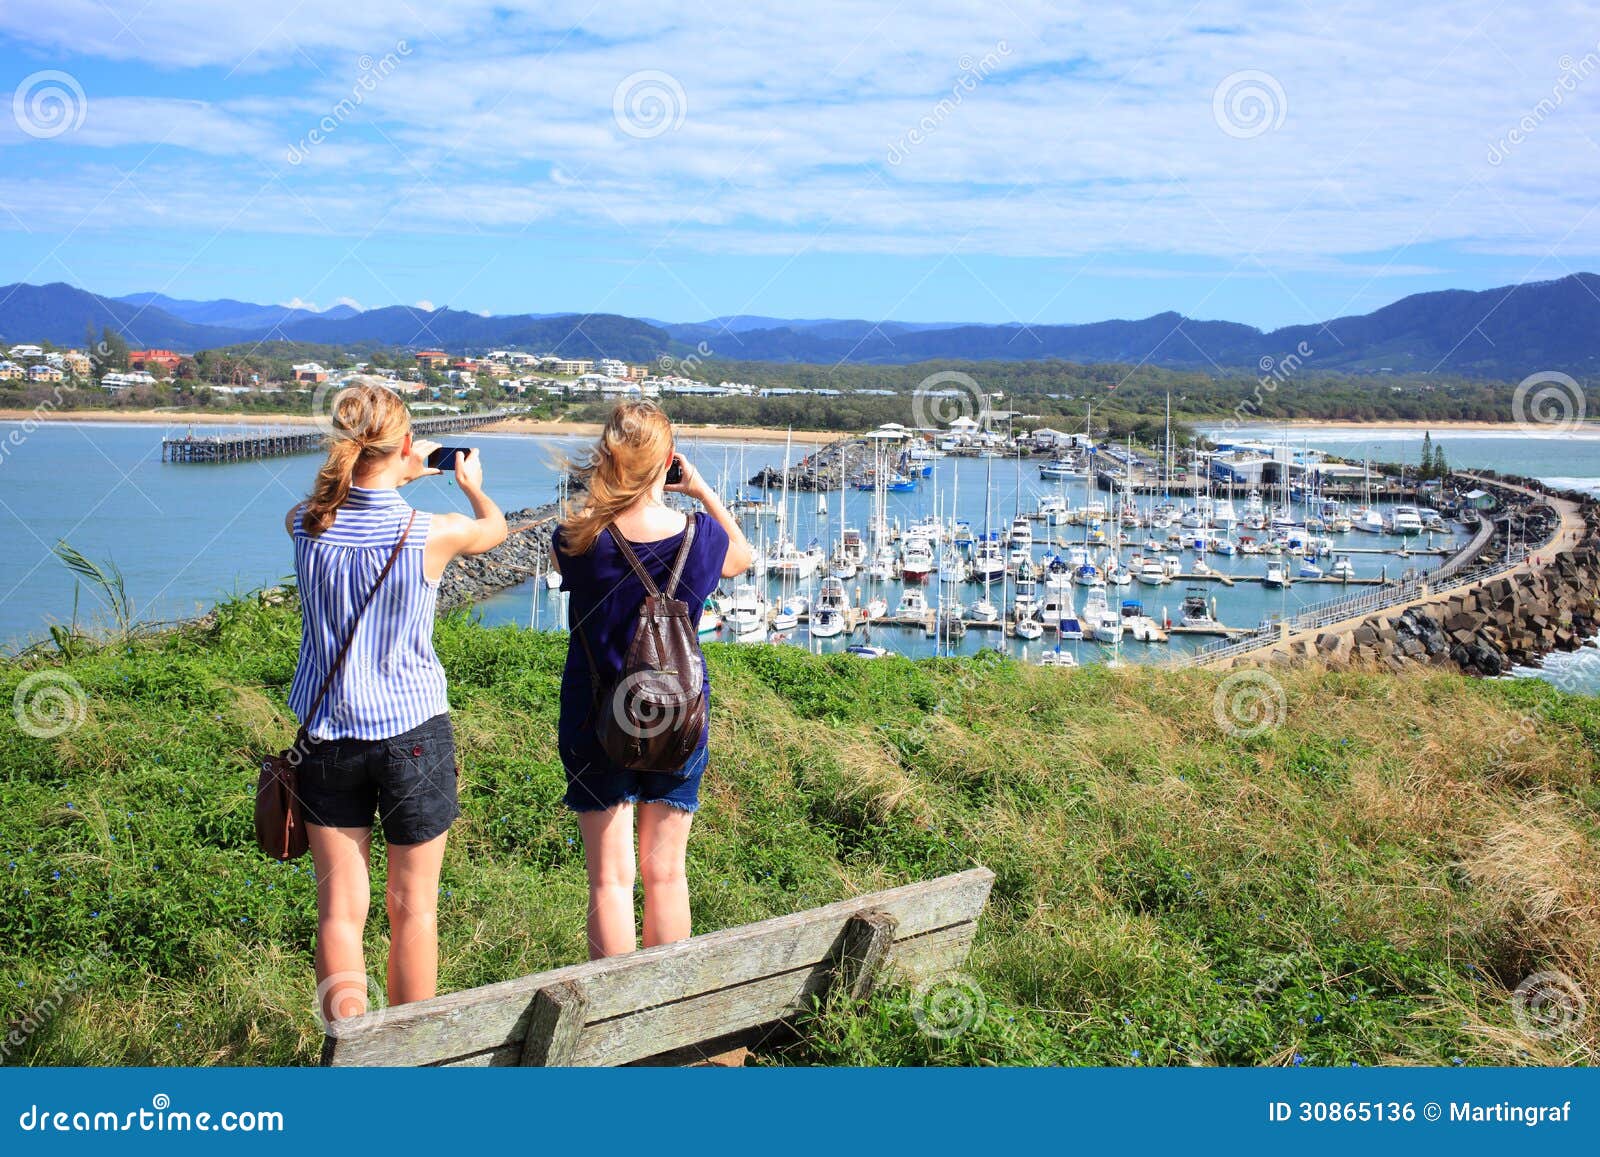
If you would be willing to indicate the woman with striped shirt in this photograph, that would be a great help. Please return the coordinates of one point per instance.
(380, 738)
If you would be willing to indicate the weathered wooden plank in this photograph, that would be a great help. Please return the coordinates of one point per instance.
(762, 1005)
(555, 1022)
(494, 1018)
(868, 936)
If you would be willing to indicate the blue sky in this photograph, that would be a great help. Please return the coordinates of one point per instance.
(1266, 163)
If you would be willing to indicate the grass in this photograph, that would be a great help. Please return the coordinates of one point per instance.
(1365, 883)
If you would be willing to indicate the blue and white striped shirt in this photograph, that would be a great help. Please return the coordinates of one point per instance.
(391, 680)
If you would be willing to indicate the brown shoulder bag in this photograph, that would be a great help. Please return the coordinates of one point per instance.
(280, 828)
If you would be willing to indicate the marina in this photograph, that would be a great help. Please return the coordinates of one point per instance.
(960, 521)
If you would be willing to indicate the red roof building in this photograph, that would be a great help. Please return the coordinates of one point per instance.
(144, 359)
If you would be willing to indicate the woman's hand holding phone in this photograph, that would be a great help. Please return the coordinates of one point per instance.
(689, 481)
(417, 461)
(469, 469)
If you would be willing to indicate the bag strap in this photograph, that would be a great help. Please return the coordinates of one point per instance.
(682, 559)
(678, 563)
(344, 648)
(626, 548)
(650, 587)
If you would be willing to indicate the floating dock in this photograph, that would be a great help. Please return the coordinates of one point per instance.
(246, 447)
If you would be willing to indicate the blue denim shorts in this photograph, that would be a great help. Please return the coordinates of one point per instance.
(599, 786)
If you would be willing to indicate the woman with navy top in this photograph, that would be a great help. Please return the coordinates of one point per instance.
(625, 484)
(380, 741)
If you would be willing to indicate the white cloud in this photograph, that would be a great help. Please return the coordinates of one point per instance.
(1091, 132)
(425, 305)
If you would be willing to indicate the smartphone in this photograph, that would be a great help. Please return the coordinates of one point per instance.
(675, 471)
(444, 458)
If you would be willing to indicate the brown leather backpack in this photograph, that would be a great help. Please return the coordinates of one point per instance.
(653, 716)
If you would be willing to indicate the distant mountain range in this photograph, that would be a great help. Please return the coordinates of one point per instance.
(1507, 332)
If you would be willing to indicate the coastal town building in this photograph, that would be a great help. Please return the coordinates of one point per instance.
(44, 372)
(11, 372)
(26, 351)
(145, 359)
(117, 382)
(310, 372)
(77, 362)
(432, 359)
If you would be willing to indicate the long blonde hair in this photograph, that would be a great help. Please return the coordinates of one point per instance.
(369, 422)
(631, 454)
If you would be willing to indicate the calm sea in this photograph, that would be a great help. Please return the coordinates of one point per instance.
(185, 536)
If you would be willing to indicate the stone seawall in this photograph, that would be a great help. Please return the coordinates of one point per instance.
(1551, 604)
(525, 551)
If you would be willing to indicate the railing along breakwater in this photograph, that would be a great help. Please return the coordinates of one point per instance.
(1539, 594)
(249, 445)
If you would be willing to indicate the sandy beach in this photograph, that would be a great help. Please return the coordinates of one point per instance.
(716, 433)
(707, 433)
(1588, 429)
(509, 426)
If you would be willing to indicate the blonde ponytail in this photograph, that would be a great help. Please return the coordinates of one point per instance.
(631, 454)
(369, 422)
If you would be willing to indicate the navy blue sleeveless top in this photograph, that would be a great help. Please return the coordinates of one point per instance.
(604, 596)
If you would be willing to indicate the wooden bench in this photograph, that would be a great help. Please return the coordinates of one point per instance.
(676, 1002)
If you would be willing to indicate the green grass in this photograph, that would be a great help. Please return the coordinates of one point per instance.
(1364, 883)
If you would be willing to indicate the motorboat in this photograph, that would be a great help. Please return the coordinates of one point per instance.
(749, 611)
(1367, 520)
(1196, 611)
(1026, 600)
(1308, 570)
(1103, 622)
(1059, 468)
(710, 617)
(832, 595)
(789, 561)
(913, 604)
(984, 611)
(1342, 569)
(1405, 521)
(1277, 575)
(1021, 535)
(916, 560)
(1056, 657)
(1057, 606)
(1152, 573)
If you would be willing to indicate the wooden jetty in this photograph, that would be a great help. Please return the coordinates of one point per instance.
(247, 446)
(683, 1003)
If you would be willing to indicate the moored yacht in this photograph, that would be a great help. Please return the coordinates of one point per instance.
(1404, 520)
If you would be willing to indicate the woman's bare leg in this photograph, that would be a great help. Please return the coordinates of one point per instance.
(663, 849)
(608, 852)
(343, 888)
(413, 896)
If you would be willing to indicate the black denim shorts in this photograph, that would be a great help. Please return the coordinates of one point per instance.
(408, 781)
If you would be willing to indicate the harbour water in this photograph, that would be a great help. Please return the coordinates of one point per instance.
(186, 535)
